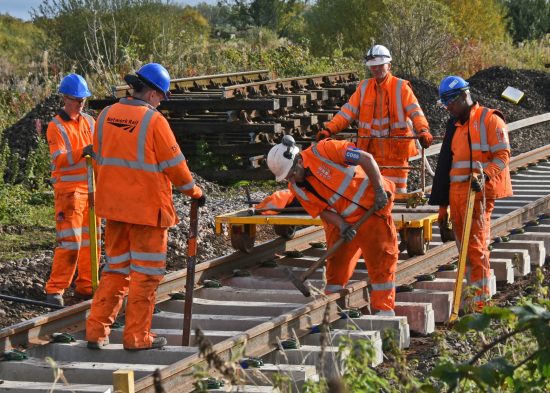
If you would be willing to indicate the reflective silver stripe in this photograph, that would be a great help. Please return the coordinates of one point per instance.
(460, 178)
(80, 165)
(333, 287)
(150, 271)
(400, 190)
(57, 153)
(100, 125)
(129, 164)
(122, 270)
(364, 124)
(171, 162)
(417, 113)
(270, 206)
(356, 198)
(380, 133)
(380, 122)
(483, 130)
(498, 162)
(73, 178)
(396, 179)
(364, 84)
(399, 105)
(74, 245)
(345, 116)
(399, 124)
(476, 147)
(71, 232)
(90, 121)
(500, 146)
(484, 282)
(466, 165)
(66, 139)
(411, 107)
(301, 194)
(481, 298)
(119, 258)
(143, 134)
(351, 108)
(53, 180)
(383, 287)
(186, 187)
(148, 256)
(134, 102)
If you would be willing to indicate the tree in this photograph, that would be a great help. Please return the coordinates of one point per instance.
(528, 19)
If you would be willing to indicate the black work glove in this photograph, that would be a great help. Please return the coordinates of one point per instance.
(347, 232)
(88, 151)
(201, 200)
(322, 135)
(476, 184)
(380, 198)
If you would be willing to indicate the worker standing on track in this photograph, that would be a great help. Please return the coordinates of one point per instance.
(340, 183)
(138, 161)
(384, 106)
(476, 141)
(69, 138)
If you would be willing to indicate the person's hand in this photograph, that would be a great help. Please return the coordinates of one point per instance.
(201, 200)
(88, 151)
(443, 215)
(476, 184)
(425, 139)
(322, 135)
(347, 231)
(380, 198)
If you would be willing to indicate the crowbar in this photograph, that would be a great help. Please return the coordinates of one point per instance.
(299, 281)
(463, 253)
(92, 222)
(190, 278)
(30, 301)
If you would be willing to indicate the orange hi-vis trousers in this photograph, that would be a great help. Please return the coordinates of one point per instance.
(398, 176)
(478, 266)
(136, 262)
(73, 244)
(376, 240)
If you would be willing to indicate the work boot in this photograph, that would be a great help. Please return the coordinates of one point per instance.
(55, 298)
(158, 343)
(97, 345)
(385, 313)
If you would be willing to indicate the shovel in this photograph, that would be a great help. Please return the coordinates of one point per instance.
(299, 281)
(92, 222)
(190, 278)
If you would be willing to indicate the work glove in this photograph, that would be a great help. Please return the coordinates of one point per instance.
(443, 215)
(347, 231)
(476, 184)
(322, 135)
(88, 151)
(380, 198)
(201, 200)
(425, 139)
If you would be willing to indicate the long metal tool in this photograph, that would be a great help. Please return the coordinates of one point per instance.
(299, 281)
(463, 253)
(190, 278)
(92, 223)
(29, 301)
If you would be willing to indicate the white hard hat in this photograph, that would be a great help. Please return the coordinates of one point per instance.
(377, 55)
(281, 157)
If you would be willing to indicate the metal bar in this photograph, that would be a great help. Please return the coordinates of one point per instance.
(29, 301)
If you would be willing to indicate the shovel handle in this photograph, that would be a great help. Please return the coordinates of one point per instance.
(94, 255)
(190, 277)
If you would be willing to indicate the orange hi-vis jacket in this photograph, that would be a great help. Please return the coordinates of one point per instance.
(138, 160)
(386, 109)
(341, 188)
(278, 200)
(66, 139)
(490, 147)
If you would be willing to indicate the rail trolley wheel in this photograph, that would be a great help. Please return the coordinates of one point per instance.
(285, 231)
(243, 237)
(416, 244)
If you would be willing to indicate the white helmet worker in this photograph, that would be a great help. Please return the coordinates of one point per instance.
(377, 55)
(281, 157)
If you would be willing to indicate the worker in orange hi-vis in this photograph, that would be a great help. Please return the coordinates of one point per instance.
(278, 200)
(384, 106)
(138, 162)
(475, 142)
(69, 138)
(340, 183)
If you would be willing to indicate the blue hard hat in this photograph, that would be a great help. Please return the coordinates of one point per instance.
(74, 85)
(156, 76)
(450, 87)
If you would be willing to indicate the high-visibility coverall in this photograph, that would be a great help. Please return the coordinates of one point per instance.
(67, 139)
(278, 200)
(489, 146)
(138, 160)
(331, 184)
(384, 109)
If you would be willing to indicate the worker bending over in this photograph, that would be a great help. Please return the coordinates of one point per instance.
(475, 142)
(340, 183)
(384, 106)
(138, 161)
(69, 137)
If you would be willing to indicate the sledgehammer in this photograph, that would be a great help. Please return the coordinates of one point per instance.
(299, 281)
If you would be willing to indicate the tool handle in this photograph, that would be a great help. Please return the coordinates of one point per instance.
(190, 277)
(94, 255)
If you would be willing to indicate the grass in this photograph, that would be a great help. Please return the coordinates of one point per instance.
(22, 241)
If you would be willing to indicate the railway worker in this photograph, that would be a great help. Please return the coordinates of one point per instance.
(278, 200)
(339, 182)
(69, 138)
(384, 106)
(138, 161)
(476, 141)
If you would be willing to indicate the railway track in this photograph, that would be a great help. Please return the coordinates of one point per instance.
(257, 307)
